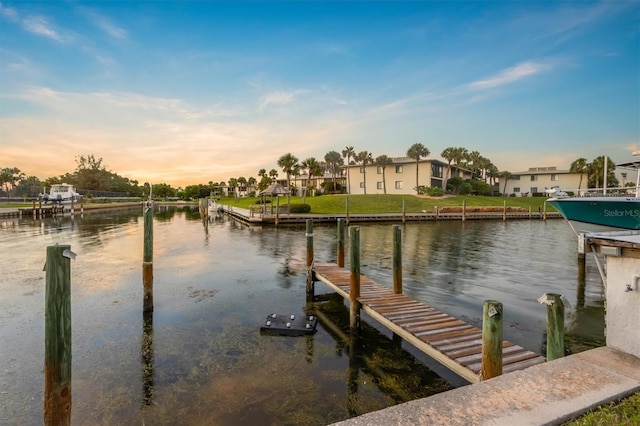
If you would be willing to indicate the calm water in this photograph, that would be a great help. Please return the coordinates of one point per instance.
(200, 358)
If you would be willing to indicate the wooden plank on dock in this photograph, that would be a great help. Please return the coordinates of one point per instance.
(450, 341)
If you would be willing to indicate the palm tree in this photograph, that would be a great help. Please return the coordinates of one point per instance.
(416, 151)
(364, 158)
(242, 184)
(383, 161)
(448, 154)
(459, 156)
(579, 166)
(474, 158)
(313, 167)
(334, 164)
(506, 176)
(348, 153)
(233, 182)
(289, 164)
(273, 174)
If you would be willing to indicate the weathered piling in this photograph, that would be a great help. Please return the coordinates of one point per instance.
(147, 259)
(464, 210)
(341, 243)
(491, 339)
(555, 326)
(354, 279)
(397, 259)
(57, 338)
(504, 210)
(309, 263)
(404, 210)
(146, 351)
(346, 206)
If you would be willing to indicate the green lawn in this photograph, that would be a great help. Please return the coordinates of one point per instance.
(334, 204)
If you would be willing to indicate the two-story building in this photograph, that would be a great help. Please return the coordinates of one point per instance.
(400, 176)
(538, 179)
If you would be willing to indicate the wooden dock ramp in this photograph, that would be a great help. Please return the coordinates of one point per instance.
(450, 341)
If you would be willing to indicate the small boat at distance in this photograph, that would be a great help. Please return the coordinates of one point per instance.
(602, 211)
(61, 193)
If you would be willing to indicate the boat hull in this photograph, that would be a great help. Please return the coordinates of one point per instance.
(599, 214)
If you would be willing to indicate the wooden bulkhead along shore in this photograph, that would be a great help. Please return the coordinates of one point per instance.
(450, 341)
(472, 353)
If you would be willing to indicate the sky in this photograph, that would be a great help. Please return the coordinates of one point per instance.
(188, 92)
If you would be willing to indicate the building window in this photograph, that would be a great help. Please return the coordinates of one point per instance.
(380, 185)
(398, 169)
(361, 184)
(515, 177)
(534, 189)
(399, 183)
(554, 178)
(516, 189)
(534, 178)
(436, 170)
(380, 170)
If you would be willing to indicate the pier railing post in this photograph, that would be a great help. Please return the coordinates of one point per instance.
(354, 280)
(147, 259)
(491, 339)
(397, 259)
(57, 338)
(555, 326)
(309, 264)
(341, 243)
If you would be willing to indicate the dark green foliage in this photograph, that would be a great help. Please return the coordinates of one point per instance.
(300, 208)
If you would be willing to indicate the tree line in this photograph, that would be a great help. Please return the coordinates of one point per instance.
(92, 175)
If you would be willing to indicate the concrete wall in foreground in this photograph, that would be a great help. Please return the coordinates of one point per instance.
(622, 316)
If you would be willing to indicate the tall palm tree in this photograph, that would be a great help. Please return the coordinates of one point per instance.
(384, 161)
(417, 151)
(364, 158)
(506, 176)
(348, 153)
(289, 164)
(459, 156)
(474, 159)
(334, 163)
(579, 166)
(313, 167)
(448, 154)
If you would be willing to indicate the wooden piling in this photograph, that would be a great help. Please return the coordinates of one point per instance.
(277, 210)
(504, 210)
(464, 210)
(147, 358)
(309, 235)
(555, 326)
(57, 351)
(491, 339)
(397, 259)
(436, 212)
(404, 211)
(544, 210)
(354, 279)
(346, 204)
(147, 259)
(341, 243)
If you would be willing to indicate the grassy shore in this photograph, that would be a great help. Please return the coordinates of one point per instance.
(378, 203)
(623, 413)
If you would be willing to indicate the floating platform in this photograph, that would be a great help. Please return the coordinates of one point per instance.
(289, 325)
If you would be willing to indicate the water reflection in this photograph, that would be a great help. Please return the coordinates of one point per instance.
(200, 358)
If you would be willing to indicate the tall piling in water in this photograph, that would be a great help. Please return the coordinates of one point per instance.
(57, 338)
(147, 259)
(555, 326)
(354, 278)
(341, 243)
(397, 259)
(309, 263)
(491, 339)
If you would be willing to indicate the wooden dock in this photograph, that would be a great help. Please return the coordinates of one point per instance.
(450, 341)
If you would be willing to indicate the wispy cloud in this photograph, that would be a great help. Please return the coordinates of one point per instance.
(510, 75)
(105, 24)
(39, 25)
(9, 13)
(280, 97)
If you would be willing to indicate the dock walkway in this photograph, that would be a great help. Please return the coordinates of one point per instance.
(450, 341)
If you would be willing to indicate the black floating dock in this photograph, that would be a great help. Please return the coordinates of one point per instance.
(289, 325)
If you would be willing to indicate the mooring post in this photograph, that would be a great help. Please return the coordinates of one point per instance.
(464, 210)
(309, 234)
(354, 280)
(555, 326)
(346, 204)
(57, 338)
(397, 259)
(436, 212)
(404, 210)
(147, 259)
(277, 210)
(544, 210)
(491, 339)
(341, 243)
(504, 210)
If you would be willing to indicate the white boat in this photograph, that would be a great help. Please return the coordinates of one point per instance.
(604, 212)
(61, 193)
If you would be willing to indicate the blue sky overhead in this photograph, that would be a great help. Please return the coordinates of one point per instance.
(194, 91)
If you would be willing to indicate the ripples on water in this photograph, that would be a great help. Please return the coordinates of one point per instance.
(200, 358)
